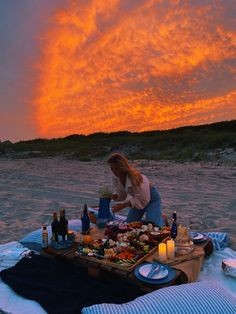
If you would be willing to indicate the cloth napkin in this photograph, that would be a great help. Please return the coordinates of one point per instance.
(220, 240)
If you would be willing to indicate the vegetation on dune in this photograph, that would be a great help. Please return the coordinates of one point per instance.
(181, 144)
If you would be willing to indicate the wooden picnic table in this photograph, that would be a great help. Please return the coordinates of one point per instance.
(187, 266)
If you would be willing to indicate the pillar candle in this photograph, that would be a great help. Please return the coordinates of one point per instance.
(162, 252)
(171, 249)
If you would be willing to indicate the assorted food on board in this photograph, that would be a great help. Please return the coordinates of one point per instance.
(124, 244)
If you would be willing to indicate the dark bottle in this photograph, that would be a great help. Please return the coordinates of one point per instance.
(85, 220)
(55, 227)
(63, 225)
(44, 237)
(174, 229)
(174, 216)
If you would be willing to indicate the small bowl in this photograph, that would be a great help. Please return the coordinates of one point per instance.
(154, 235)
(183, 250)
(229, 267)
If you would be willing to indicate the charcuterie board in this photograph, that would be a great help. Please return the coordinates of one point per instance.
(122, 246)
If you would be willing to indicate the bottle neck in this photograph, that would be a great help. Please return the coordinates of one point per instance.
(62, 213)
(55, 216)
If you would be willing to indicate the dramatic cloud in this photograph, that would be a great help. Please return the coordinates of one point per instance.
(137, 65)
(109, 65)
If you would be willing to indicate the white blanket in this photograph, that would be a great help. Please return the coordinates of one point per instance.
(212, 270)
(10, 302)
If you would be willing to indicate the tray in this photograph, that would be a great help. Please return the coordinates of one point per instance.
(109, 264)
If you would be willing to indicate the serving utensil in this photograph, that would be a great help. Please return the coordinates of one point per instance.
(154, 268)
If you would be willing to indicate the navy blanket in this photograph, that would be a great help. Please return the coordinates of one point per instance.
(63, 288)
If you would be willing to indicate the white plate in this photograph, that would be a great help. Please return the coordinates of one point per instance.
(198, 236)
(144, 270)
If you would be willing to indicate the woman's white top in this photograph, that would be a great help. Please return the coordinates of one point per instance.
(139, 196)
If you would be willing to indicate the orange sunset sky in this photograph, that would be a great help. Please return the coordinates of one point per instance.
(87, 66)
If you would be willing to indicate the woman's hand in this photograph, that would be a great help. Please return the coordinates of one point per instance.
(114, 197)
(117, 207)
(120, 206)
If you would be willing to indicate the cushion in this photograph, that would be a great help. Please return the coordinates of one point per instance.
(196, 298)
(33, 240)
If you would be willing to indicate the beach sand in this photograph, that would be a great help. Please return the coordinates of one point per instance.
(31, 189)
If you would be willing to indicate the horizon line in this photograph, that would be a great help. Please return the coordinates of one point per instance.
(121, 131)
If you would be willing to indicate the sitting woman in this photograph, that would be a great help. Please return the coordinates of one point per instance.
(135, 190)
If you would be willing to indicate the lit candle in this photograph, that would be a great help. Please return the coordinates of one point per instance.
(162, 252)
(171, 249)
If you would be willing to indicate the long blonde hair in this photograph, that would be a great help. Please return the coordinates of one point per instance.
(123, 165)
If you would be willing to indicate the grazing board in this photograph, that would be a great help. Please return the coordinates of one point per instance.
(109, 264)
(122, 246)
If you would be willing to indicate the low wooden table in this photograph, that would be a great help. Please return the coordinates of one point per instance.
(186, 265)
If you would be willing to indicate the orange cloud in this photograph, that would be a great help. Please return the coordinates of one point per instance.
(135, 65)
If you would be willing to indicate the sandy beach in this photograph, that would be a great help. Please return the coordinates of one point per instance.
(31, 189)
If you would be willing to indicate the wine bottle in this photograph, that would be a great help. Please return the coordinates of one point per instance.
(85, 220)
(55, 227)
(44, 237)
(174, 216)
(174, 229)
(63, 225)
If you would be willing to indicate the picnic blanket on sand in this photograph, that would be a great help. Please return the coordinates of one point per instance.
(63, 288)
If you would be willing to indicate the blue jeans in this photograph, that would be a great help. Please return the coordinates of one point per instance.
(152, 210)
